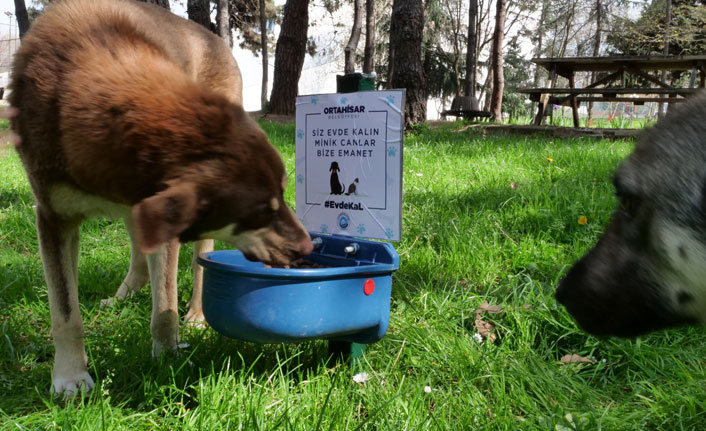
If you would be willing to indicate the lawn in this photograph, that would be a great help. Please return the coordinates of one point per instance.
(493, 219)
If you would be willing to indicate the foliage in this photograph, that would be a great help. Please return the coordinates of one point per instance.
(646, 35)
(441, 79)
(517, 75)
(419, 129)
(382, 39)
(445, 38)
(245, 18)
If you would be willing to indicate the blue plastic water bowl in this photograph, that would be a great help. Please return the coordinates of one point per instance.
(348, 300)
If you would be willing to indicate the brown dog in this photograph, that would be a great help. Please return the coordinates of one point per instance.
(126, 110)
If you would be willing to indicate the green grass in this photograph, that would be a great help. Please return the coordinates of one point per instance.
(486, 218)
(617, 120)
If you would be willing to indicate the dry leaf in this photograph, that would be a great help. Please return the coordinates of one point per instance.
(492, 309)
(485, 329)
(576, 359)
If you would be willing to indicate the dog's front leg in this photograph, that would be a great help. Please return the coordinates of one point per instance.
(138, 274)
(58, 246)
(195, 313)
(163, 280)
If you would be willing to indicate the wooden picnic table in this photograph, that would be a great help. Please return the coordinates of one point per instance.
(614, 87)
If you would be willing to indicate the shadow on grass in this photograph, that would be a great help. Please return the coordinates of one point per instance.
(119, 359)
(15, 196)
(146, 382)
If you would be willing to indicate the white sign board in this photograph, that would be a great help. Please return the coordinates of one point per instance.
(349, 163)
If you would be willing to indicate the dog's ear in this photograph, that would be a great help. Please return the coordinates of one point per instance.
(164, 216)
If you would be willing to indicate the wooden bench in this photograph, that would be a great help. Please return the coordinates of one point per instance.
(465, 107)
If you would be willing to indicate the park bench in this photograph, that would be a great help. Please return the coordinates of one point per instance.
(466, 107)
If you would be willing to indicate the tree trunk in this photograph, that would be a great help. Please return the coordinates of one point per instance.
(162, 3)
(289, 57)
(540, 41)
(567, 32)
(455, 64)
(352, 46)
(596, 47)
(406, 29)
(496, 100)
(369, 56)
(667, 22)
(22, 17)
(469, 88)
(458, 47)
(265, 59)
(478, 48)
(199, 11)
(223, 21)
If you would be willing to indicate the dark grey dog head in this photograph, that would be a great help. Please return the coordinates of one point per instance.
(648, 271)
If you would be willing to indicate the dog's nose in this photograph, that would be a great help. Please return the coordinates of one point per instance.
(561, 292)
(306, 247)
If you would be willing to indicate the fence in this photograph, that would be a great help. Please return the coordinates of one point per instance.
(9, 43)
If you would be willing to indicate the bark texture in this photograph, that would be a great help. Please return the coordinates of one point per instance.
(199, 11)
(496, 100)
(596, 47)
(289, 57)
(223, 21)
(22, 17)
(161, 3)
(352, 45)
(265, 59)
(369, 55)
(469, 87)
(405, 69)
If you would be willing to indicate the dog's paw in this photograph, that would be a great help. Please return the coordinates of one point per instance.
(123, 292)
(195, 318)
(70, 386)
(160, 349)
(108, 302)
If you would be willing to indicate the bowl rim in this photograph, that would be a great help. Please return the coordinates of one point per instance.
(256, 269)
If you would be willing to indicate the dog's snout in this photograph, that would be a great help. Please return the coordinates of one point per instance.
(600, 303)
(622, 300)
(561, 293)
(571, 284)
(305, 247)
